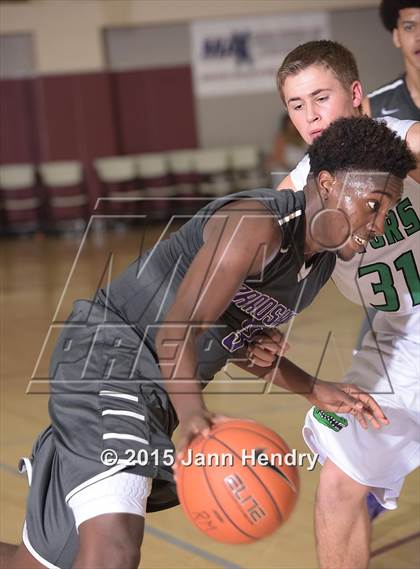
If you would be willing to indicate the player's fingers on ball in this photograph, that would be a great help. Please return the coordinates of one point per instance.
(180, 450)
(220, 419)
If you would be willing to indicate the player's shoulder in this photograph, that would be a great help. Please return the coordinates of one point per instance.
(400, 126)
(255, 208)
(386, 101)
(387, 89)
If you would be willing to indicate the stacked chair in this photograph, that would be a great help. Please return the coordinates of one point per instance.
(155, 184)
(67, 199)
(20, 199)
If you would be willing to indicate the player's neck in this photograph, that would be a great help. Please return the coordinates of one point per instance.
(412, 79)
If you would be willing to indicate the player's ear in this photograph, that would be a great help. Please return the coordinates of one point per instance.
(356, 94)
(396, 38)
(326, 182)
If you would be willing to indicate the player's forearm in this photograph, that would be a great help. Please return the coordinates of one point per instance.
(284, 374)
(175, 346)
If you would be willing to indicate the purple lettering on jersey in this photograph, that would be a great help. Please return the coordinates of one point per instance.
(236, 340)
(265, 312)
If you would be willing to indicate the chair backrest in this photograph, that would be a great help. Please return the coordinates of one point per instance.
(151, 165)
(211, 161)
(61, 174)
(182, 161)
(116, 168)
(244, 157)
(16, 176)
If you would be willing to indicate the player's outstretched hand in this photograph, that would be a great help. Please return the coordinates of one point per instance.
(198, 423)
(348, 398)
(266, 347)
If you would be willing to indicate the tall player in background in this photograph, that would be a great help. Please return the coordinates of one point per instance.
(319, 83)
(400, 98)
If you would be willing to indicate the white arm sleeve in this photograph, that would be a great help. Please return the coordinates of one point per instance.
(399, 126)
(300, 173)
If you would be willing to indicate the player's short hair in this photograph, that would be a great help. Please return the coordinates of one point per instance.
(389, 11)
(329, 54)
(360, 144)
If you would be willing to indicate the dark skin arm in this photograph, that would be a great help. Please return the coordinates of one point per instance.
(235, 246)
(330, 396)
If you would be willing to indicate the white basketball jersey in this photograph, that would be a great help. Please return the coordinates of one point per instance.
(386, 276)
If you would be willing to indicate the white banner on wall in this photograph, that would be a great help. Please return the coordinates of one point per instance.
(243, 55)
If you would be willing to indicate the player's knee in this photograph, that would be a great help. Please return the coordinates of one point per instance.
(336, 486)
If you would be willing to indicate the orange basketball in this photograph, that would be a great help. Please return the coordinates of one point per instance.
(234, 485)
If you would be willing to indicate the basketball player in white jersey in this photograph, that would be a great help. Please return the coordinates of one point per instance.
(399, 98)
(319, 83)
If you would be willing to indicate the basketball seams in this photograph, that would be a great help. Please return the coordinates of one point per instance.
(212, 484)
(221, 507)
(181, 494)
(254, 474)
(186, 507)
(275, 443)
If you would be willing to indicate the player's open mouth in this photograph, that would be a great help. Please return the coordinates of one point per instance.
(361, 241)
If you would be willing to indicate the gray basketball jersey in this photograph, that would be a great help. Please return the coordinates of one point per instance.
(142, 295)
(393, 99)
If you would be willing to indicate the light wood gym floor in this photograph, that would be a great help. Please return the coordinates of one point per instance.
(34, 274)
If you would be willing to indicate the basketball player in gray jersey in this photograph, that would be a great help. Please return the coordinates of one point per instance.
(400, 98)
(132, 363)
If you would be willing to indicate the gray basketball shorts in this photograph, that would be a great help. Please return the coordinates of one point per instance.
(108, 414)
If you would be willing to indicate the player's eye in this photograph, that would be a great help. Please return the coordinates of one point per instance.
(408, 27)
(322, 99)
(373, 205)
(297, 107)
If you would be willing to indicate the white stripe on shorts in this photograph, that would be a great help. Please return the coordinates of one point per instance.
(32, 551)
(124, 413)
(119, 395)
(100, 476)
(124, 436)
